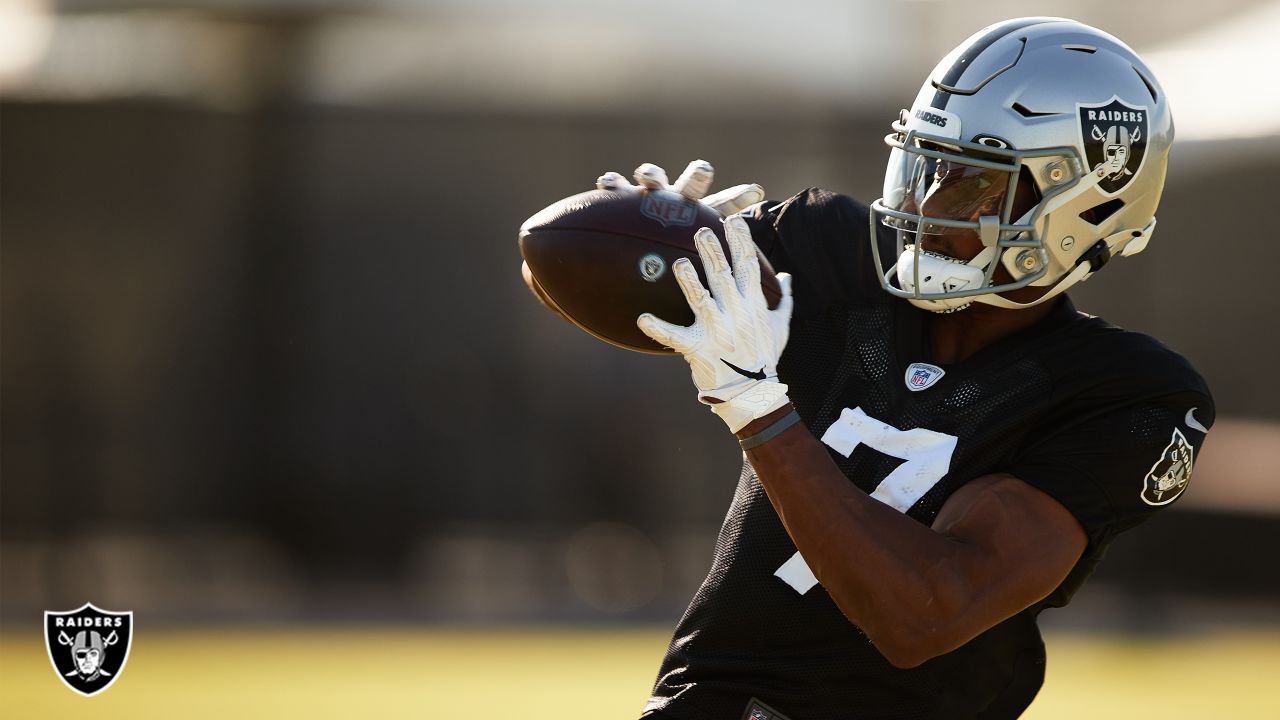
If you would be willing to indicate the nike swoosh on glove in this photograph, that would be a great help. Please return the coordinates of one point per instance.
(735, 340)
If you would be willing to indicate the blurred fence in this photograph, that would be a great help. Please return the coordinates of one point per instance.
(274, 361)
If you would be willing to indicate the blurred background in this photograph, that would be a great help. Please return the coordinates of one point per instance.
(268, 362)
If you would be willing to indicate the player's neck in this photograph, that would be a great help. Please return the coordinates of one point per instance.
(956, 336)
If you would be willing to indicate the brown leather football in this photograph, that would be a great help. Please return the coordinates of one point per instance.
(602, 258)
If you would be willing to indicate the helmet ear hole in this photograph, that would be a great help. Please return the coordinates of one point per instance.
(1098, 214)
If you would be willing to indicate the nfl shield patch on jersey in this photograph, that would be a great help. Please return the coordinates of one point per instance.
(922, 375)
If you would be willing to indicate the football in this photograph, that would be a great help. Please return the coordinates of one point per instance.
(602, 258)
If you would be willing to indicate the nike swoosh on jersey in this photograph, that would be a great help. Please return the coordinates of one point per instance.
(754, 375)
(1193, 423)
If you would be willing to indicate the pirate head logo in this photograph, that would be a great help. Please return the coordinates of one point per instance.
(88, 647)
(1168, 477)
(1114, 136)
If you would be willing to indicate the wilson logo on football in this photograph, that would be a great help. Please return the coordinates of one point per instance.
(668, 208)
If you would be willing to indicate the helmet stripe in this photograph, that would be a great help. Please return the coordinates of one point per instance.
(976, 48)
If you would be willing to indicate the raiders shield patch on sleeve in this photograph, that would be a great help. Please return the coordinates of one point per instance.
(1169, 476)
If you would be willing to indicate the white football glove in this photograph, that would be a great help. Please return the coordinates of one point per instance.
(735, 340)
(693, 183)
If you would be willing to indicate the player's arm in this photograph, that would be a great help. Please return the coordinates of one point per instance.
(997, 546)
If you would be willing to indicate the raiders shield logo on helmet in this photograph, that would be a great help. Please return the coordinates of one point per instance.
(1168, 477)
(88, 646)
(1114, 135)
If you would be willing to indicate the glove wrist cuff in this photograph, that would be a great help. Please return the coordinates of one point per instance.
(758, 400)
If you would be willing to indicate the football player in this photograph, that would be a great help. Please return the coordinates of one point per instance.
(938, 445)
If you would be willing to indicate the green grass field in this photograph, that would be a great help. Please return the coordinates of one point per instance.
(548, 673)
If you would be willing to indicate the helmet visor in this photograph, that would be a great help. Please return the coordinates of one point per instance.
(944, 191)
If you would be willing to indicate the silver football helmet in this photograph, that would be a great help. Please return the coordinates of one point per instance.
(1046, 138)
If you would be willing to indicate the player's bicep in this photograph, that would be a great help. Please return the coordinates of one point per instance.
(1018, 545)
(1116, 469)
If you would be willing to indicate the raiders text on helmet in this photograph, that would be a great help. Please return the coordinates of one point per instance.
(1059, 115)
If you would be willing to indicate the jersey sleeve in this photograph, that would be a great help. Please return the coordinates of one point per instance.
(1115, 466)
(821, 238)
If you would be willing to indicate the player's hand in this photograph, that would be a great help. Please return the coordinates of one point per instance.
(693, 183)
(735, 340)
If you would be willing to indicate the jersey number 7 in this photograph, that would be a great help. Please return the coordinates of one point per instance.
(927, 456)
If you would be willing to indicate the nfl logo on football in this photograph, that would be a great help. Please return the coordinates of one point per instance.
(668, 208)
(88, 646)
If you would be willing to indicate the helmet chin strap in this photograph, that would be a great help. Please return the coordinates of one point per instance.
(1078, 273)
(1124, 243)
(1075, 275)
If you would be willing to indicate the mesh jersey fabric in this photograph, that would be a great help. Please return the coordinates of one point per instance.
(1073, 405)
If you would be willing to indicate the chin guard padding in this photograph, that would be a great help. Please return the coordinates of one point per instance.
(940, 273)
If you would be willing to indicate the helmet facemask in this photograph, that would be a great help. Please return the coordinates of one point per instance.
(943, 196)
(1058, 167)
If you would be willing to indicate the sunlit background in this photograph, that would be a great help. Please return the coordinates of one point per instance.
(271, 379)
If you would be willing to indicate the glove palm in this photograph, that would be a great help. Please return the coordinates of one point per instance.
(735, 341)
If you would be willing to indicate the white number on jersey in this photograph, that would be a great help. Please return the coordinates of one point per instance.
(927, 456)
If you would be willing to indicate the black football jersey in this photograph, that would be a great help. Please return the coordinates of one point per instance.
(1106, 421)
